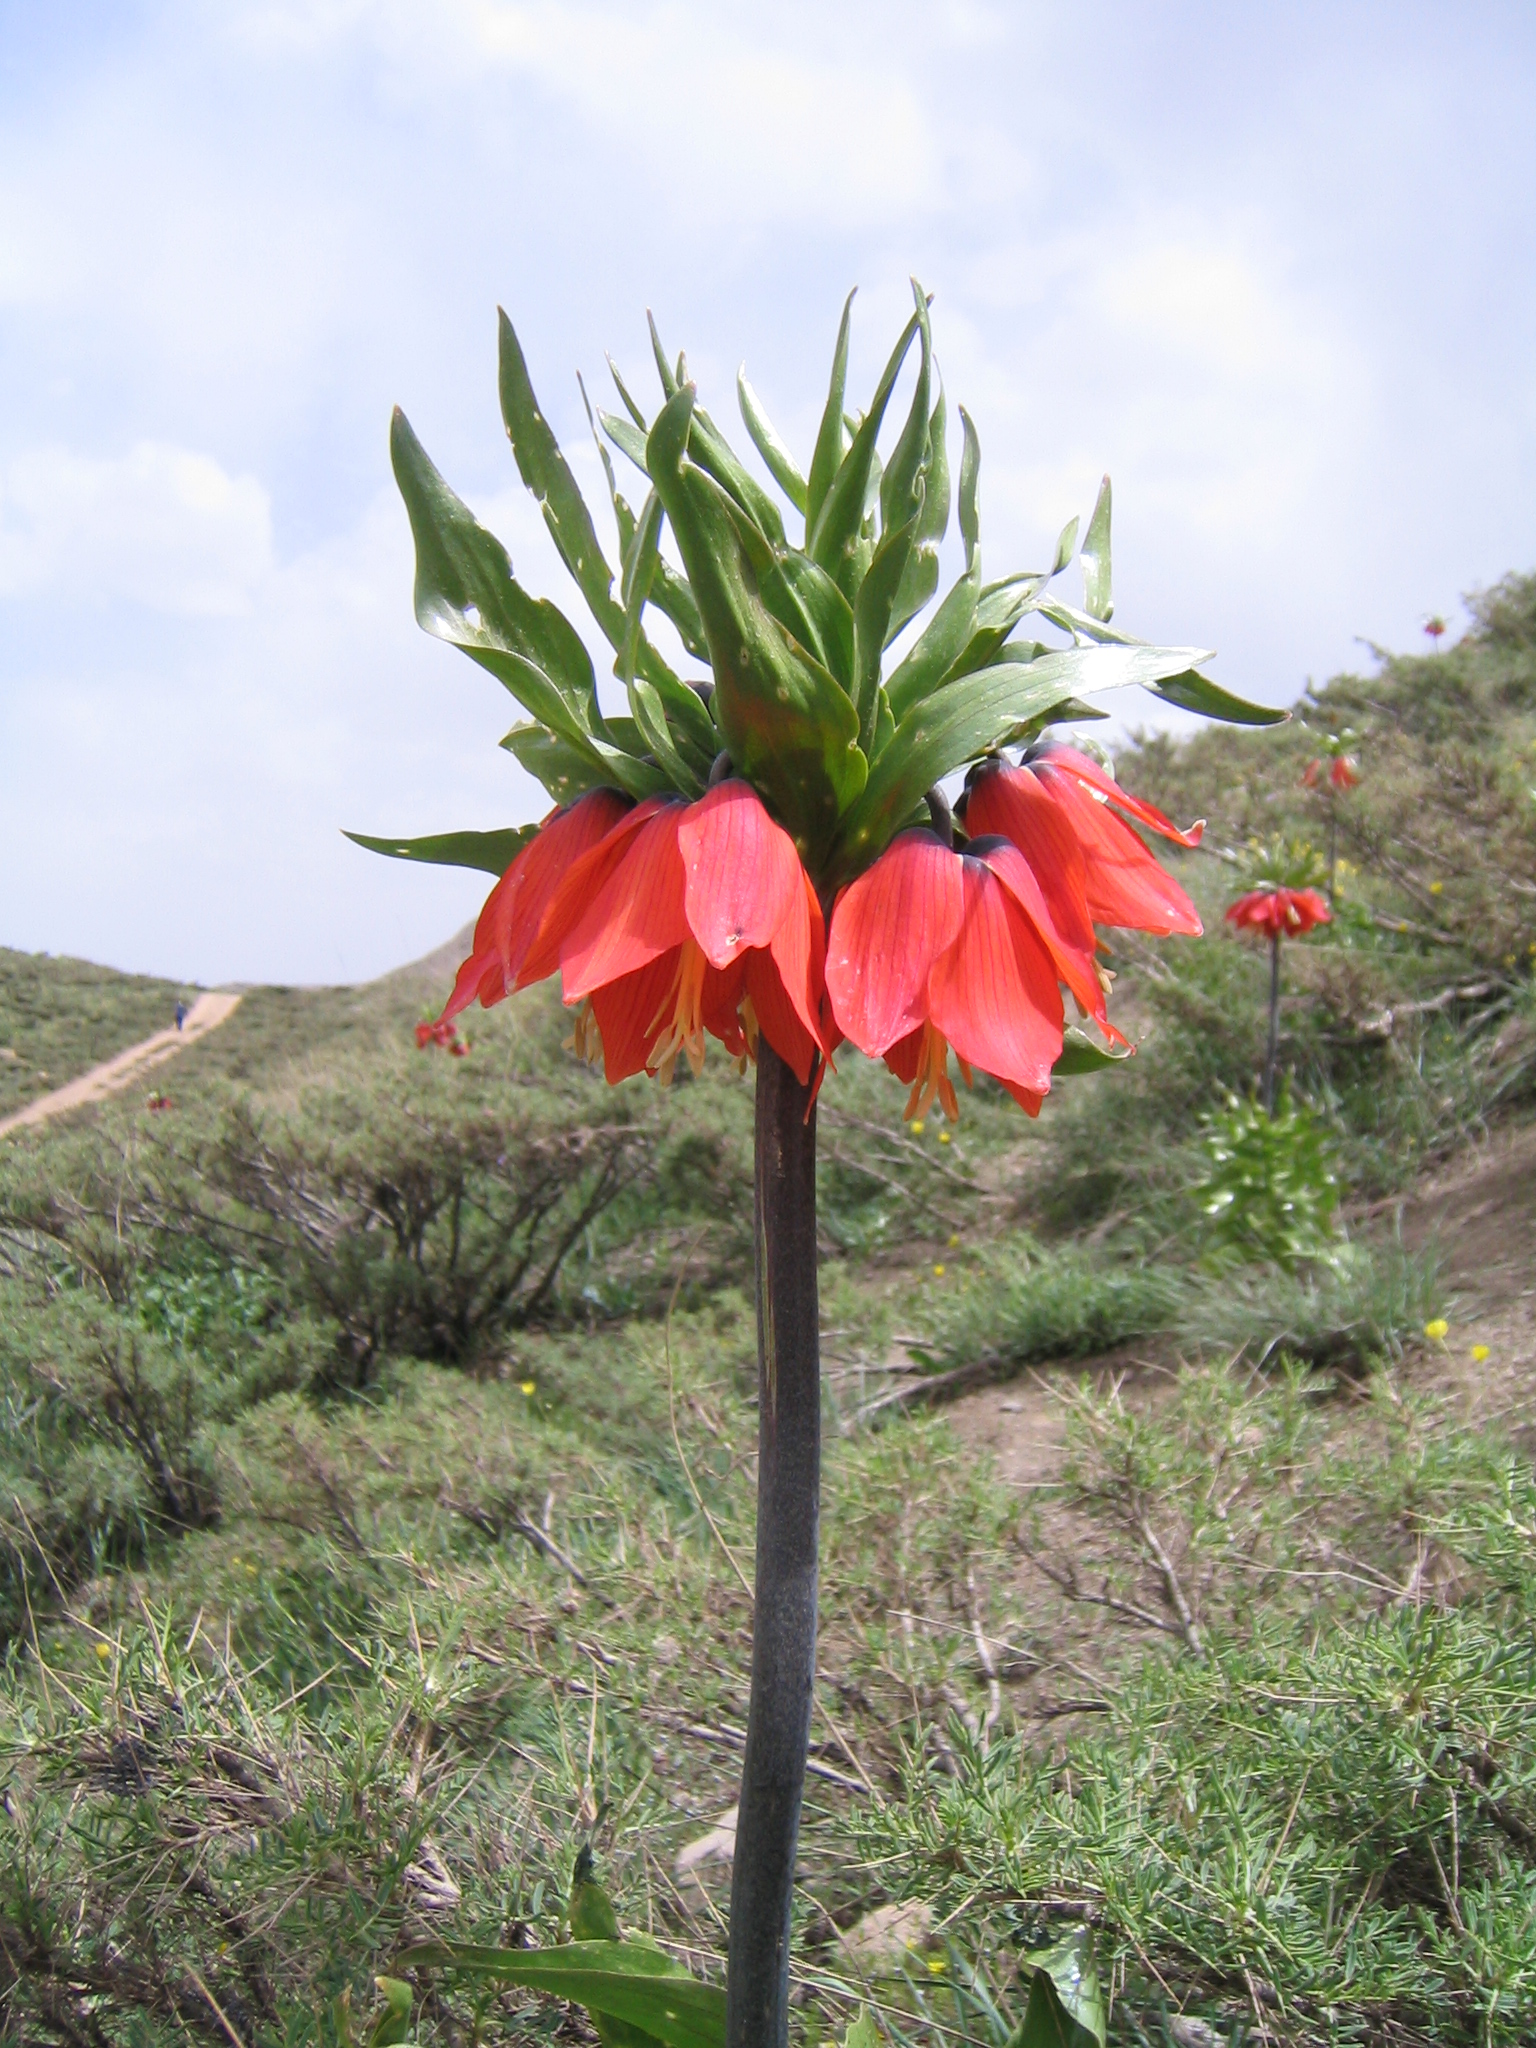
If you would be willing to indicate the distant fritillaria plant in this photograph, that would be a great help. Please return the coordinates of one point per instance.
(764, 855)
(1285, 905)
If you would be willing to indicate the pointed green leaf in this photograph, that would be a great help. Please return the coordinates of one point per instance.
(831, 437)
(943, 641)
(567, 771)
(999, 607)
(644, 701)
(491, 852)
(466, 595)
(966, 719)
(1083, 625)
(782, 466)
(1198, 693)
(625, 436)
(901, 487)
(545, 471)
(711, 451)
(622, 1980)
(871, 616)
(393, 2022)
(630, 406)
(1098, 598)
(672, 595)
(1065, 544)
(922, 577)
(1066, 2007)
(970, 475)
(1048, 2024)
(807, 603)
(789, 726)
(833, 540)
(1081, 1054)
(664, 370)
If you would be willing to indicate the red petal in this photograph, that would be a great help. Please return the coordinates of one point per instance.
(626, 1013)
(1125, 885)
(888, 927)
(506, 926)
(637, 915)
(993, 994)
(575, 890)
(743, 871)
(902, 1058)
(1068, 761)
(1071, 965)
(1016, 804)
(720, 1002)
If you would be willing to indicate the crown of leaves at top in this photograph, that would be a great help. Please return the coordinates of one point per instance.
(795, 631)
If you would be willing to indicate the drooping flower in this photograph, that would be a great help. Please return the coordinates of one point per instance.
(686, 920)
(1343, 773)
(1059, 809)
(1284, 913)
(514, 910)
(932, 950)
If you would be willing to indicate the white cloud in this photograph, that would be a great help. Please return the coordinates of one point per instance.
(161, 526)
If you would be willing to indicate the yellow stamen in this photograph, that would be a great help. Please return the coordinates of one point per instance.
(933, 1078)
(586, 1041)
(685, 1033)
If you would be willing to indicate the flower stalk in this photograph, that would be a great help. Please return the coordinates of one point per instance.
(784, 1607)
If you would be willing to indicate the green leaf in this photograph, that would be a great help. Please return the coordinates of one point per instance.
(568, 771)
(943, 641)
(834, 539)
(663, 367)
(862, 2031)
(970, 474)
(1098, 600)
(1065, 2009)
(966, 719)
(782, 466)
(871, 616)
(625, 436)
(394, 2021)
(645, 701)
(466, 594)
(620, 1980)
(831, 436)
(790, 727)
(1198, 693)
(1081, 1054)
(672, 595)
(711, 451)
(922, 577)
(546, 473)
(806, 601)
(491, 852)
(1066, 542)
(629, 404)
(902, 485)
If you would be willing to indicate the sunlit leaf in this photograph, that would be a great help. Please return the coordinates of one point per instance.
(491, 852)
(831, 436)
(1098, 599)
(1198, 693)
(782, 466)
(832, 541)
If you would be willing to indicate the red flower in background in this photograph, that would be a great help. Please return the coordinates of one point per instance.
(1282, 913)
(932, 949)
(665, 921)
(1343, 773)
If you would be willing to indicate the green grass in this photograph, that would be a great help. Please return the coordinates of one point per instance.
(376, 1487)
(59, 1017)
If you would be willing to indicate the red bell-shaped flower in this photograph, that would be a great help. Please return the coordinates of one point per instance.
(509, 923)
(931, 949)
(687, 919)
(1093, 868)
(1286, 912)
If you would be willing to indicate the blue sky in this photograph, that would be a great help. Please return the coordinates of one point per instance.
(1271, 267)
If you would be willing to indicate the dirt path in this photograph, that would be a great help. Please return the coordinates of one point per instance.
(126, 1068)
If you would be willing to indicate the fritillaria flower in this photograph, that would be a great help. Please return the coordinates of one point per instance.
(704, 829)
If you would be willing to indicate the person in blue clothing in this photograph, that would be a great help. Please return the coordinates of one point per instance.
(181, 1015)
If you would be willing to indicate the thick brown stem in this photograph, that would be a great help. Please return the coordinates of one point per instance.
(784, 1611)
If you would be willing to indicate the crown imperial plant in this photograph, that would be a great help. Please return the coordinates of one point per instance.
(765, 855)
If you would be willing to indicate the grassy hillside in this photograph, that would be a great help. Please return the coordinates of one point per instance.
(58, 1017)
(376, 1481)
